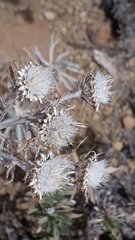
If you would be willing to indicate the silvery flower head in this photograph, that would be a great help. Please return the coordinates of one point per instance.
(95, 89)
(92, 173)
(50, 175)
(57, 129)
(34, 82)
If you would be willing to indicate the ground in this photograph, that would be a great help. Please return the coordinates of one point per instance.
(85, 31)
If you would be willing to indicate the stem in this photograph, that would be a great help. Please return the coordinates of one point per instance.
(70, 95)
(16, 122)
(25, 166)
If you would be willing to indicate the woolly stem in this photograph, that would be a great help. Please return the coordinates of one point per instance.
(70, 95)
(25, 166)
(16, 122)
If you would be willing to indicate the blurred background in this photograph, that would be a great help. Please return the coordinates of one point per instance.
(100, 34)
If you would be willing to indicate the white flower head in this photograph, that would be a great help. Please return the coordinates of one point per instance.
(92, 173)
(34, 81)
(51, 175)
(96, 173)
(57, 129)
(96, 89)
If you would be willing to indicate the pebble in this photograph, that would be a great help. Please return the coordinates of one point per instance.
(117, 146)
(83, 14)
(127, 111)
(24, 206)
(70, 10)
(128, 122)
(114, 162)
(49, 15)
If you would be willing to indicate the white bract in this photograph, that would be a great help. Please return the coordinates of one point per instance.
(51, 175)
(97, 173)
(101, 89)
(35, 81)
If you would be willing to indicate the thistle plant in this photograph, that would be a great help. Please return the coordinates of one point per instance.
(50, 129)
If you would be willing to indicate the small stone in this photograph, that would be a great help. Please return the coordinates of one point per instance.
(123, 168)
(128, 122)
(114, 162)
(24, 206)
(49, 15)
(83, 16)
(127, 111)
(118, 146)
(70, 10)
